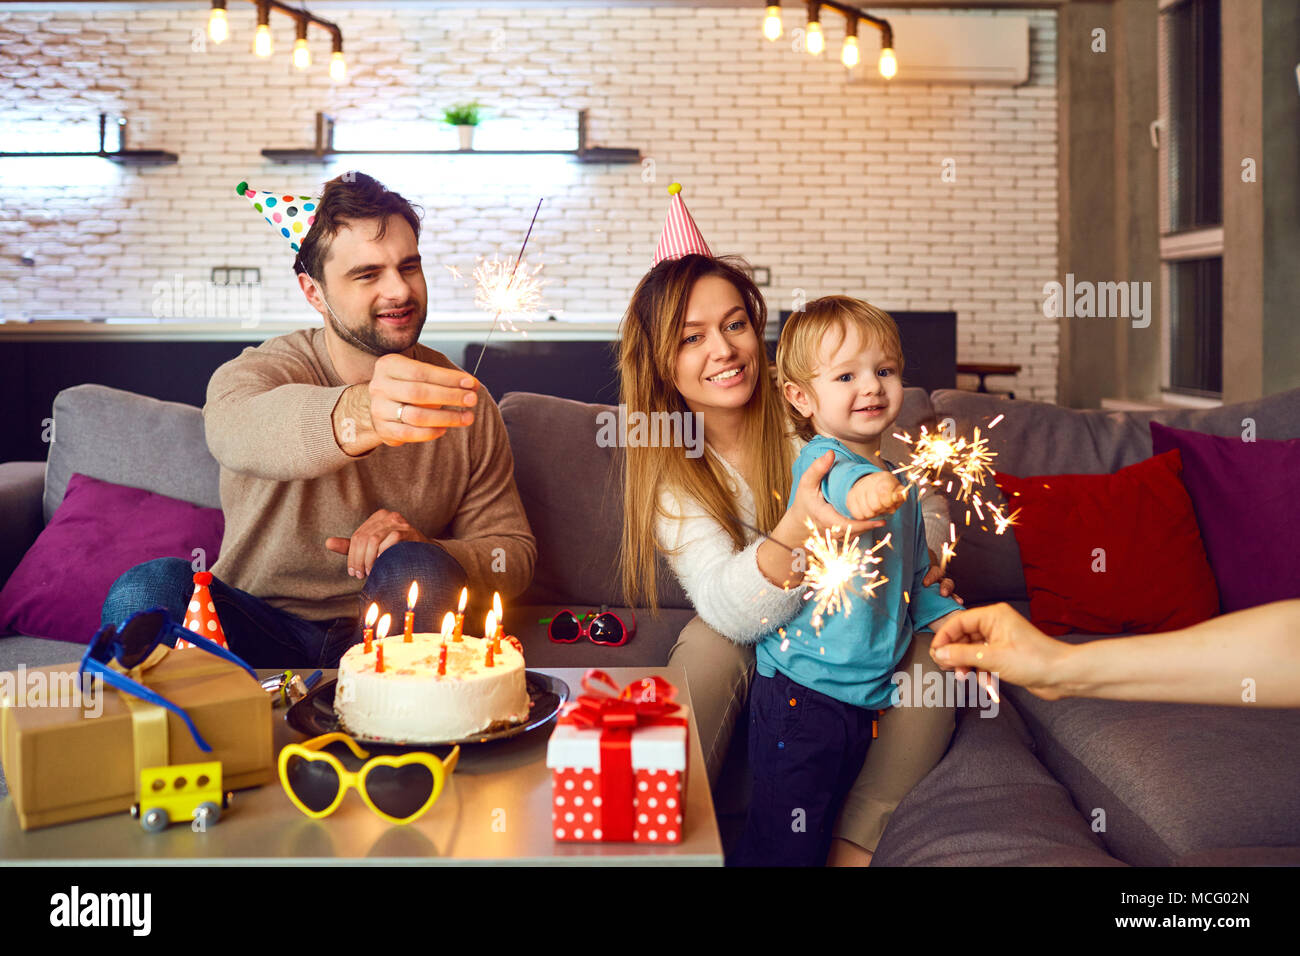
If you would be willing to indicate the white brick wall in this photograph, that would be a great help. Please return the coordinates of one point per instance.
(835, 188)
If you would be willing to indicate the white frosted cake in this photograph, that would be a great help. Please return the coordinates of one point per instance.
(410, 703)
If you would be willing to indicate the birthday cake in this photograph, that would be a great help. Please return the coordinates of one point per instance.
(408, 701)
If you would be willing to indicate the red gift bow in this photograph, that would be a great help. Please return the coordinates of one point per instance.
(645, 703)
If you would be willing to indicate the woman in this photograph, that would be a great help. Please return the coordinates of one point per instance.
(692, 342)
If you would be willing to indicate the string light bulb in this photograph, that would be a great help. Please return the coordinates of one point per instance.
(262, 45)
(338, 68)
(301, 54)
(218, 25)
(772, 23)
(888, 63)
(849, 52)
(814, 40)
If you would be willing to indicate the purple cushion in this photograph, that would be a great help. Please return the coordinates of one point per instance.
(1244, 496)
(99, 531)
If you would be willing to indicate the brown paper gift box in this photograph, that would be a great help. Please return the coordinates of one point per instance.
(62, 764)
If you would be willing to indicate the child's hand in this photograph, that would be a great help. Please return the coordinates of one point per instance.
(875, 494)
(939, 622)
(935, 575)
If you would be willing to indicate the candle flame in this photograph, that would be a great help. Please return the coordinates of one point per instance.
(496, 604)
(448, 624)
(412, 595)
(372, 614)
(464, 596)
(381, 629)
(490, 627)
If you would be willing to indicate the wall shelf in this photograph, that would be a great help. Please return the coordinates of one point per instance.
(123, 157)
(324, 149)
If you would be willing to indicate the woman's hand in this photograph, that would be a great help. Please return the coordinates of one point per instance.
(935, 574)
(809, 503)
(780, 559)
(998, 640)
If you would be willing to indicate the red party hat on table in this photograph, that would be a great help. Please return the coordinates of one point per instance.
(290, 216)
(681, 236)
(201, 615)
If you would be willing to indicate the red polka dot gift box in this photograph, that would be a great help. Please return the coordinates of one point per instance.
(618, 764)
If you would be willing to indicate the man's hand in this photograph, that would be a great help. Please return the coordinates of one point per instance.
(429, 398)
(934, 574)
(875, 494)
(377, 534)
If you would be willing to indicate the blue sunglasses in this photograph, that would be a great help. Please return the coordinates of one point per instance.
(132, 641)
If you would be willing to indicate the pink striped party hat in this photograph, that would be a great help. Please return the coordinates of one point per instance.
(681, 236)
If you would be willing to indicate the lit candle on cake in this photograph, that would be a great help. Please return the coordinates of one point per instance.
(500, 631)
(460, 615)
(409, 621)
(448, 625)
(368, 633)
(489, 628)
(381, 632)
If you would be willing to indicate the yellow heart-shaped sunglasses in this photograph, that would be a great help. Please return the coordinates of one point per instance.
(400, 789)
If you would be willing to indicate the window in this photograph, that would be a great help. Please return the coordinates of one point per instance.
(1191, 196)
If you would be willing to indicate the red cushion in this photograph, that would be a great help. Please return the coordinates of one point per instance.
(1156, 576)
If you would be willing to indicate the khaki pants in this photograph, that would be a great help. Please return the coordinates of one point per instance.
(912, 739)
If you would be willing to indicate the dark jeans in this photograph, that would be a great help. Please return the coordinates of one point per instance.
(805, 750)
(267, 637)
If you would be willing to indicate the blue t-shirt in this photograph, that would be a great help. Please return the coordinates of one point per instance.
(859, 647)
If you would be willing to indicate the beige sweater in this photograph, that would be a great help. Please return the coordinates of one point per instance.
(286, 485)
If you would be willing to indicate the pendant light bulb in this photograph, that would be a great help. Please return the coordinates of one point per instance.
(815, 41)
(849, 52)
(772, 23)
(218, 25)
(888, 63)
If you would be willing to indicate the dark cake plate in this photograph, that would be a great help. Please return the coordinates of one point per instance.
(314, 714)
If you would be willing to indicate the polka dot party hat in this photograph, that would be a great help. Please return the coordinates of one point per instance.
(290, 216)
(201, 614)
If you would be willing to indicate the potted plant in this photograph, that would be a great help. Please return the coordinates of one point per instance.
(463, 116)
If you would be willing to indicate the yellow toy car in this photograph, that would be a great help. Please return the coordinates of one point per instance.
(183, 791)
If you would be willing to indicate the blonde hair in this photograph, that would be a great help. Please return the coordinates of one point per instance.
(651, 336)
(821, 319)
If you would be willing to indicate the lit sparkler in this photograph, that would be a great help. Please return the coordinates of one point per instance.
(504, 288)
(932, 453)
(968, 462)
(834, 567)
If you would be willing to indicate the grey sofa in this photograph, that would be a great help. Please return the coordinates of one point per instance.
(1177, 784)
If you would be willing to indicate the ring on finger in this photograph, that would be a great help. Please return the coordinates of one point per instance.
(401, 407)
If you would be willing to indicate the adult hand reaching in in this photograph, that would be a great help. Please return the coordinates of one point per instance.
(1249, 658)
(996, 639)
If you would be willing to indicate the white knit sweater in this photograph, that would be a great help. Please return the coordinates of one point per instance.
(725, 586)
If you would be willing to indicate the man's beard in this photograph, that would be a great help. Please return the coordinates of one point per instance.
(371, 338)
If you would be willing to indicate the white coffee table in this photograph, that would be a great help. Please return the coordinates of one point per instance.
(496, 810)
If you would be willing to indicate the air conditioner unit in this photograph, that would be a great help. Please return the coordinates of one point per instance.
(962, 48)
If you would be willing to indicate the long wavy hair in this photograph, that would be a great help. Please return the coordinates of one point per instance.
(651, 337)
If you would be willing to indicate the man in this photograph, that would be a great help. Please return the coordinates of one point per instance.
(353, 460)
